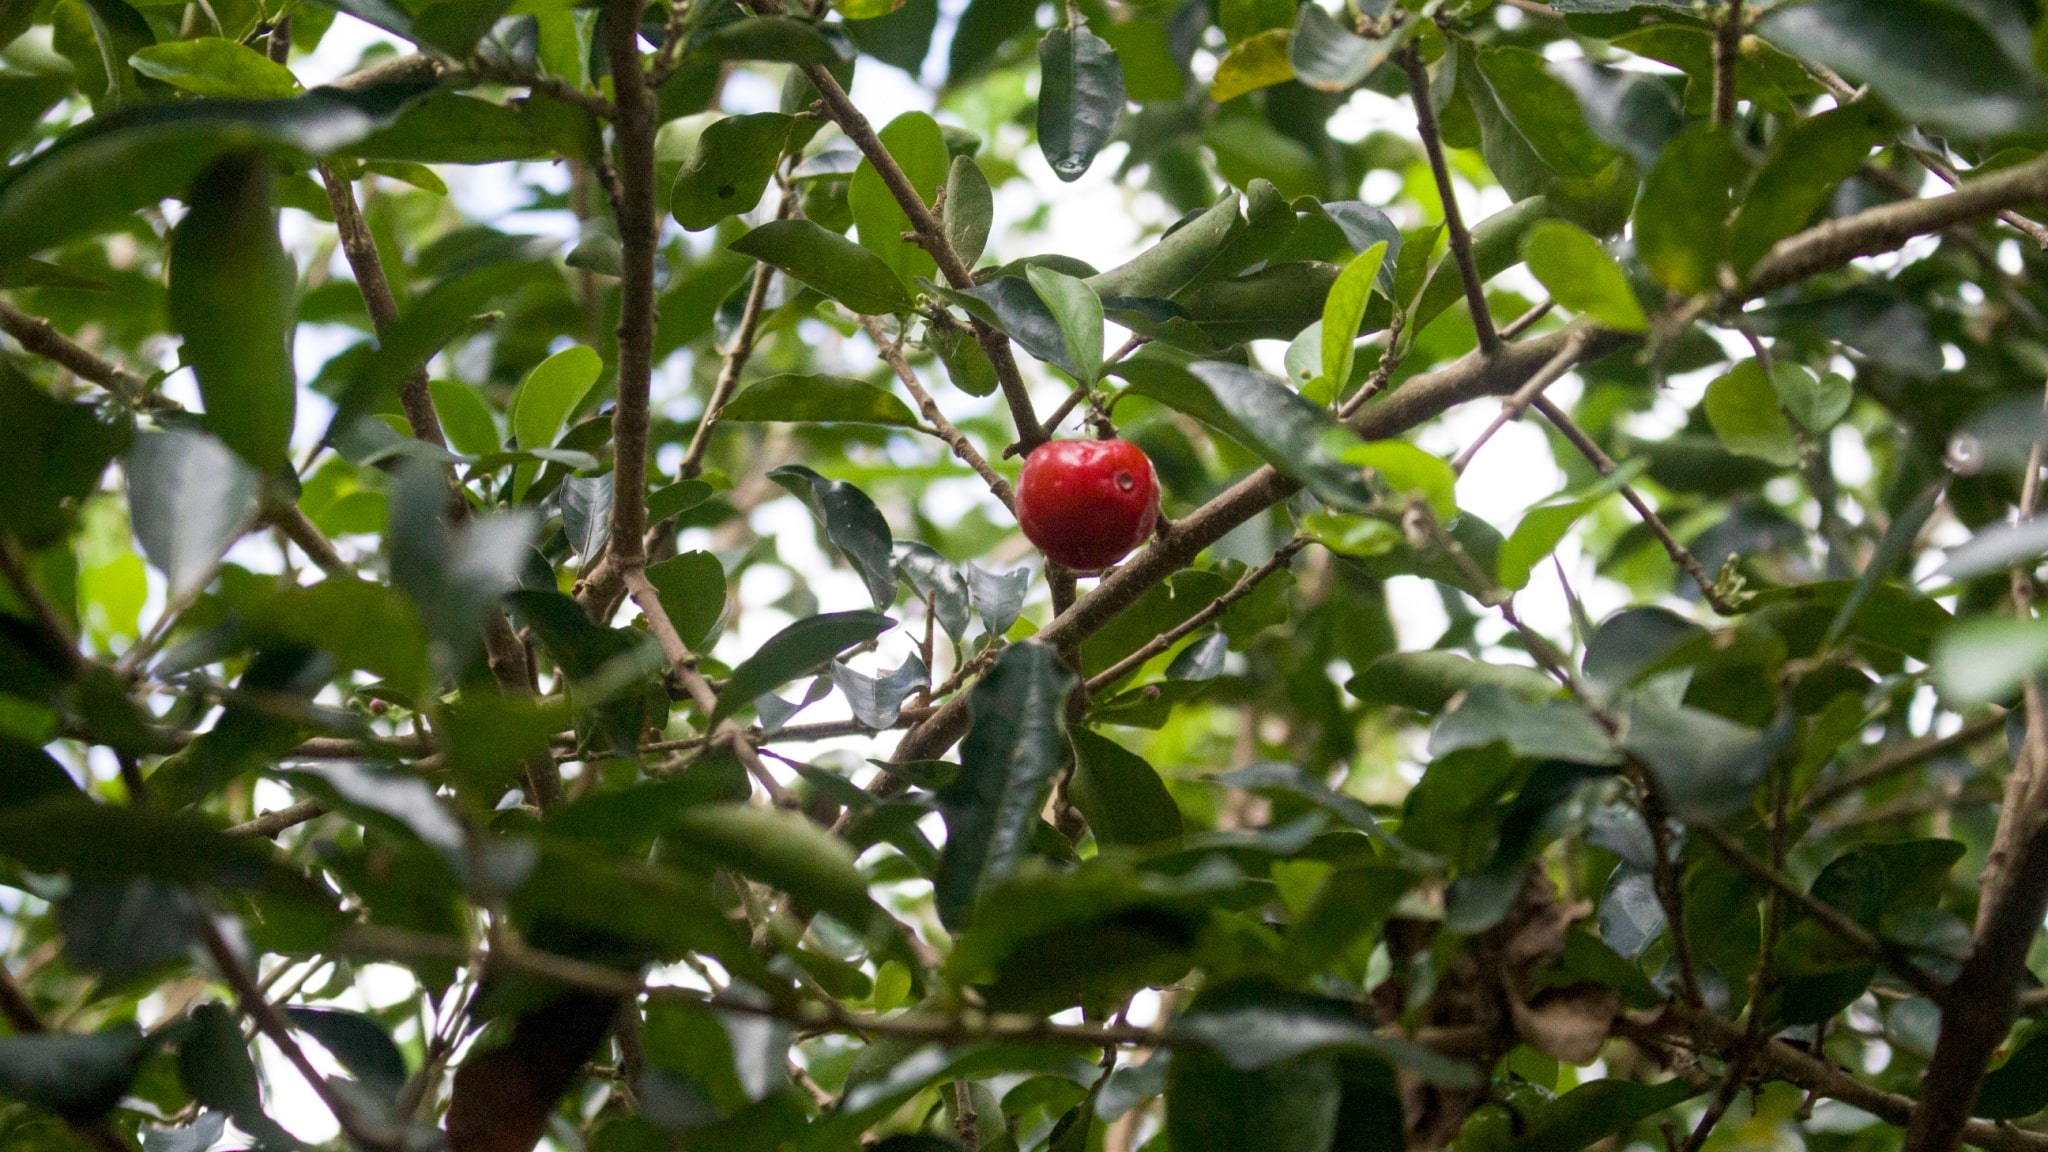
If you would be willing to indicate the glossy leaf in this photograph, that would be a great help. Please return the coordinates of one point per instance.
(778, 848)
(1080, 97)
(1007, 763)
(79, 1077)
(998, 596)
(1178, 259)
(1078, 312)
(795, 650)
(931, 576)
(877, 700)
(831, 263)
(813, 399)
(1287, 431)
(853, 524)
(692, 589)
(231, 299)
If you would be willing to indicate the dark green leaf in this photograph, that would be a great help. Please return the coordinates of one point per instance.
(1537, 143)
(1080, 97)
(692, 590)
(1179, 258)
(875, 701)
(1010, 305)
(60, 452)
(1121, 795)
(2018, 1088)
(1285, 430)
(1550, 729)
(1593, 1112)
(1078, 312)
(1933, 62)
(214, 1063)
(1274, 303)
(816, 399)
(778, 848)
(998, 596)
(359, 1042)
(231, 299)
(1807, 161)
(1682, 222)
(1007, 762)
(104, 170)
(77, 1077)
(853, 524)
(795, 650)
(211, 66)
(1426, 681)
(831, 263)
(932, 576)
(1705, 766)
(783, 39)
(730, 167)
(190, 499)
(1329, 56)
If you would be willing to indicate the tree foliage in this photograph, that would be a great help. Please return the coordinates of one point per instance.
(401, 711)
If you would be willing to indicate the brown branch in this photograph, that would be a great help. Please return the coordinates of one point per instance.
(397, 69)
(891, 351)
(271, 823)
(549, 86)
(359, 246)
(1605, 465)
(931, 234)
(736, 357)
(1837, 922)
(1454, 220)
(41, 338)
(1904, 757)
(1511, 409)
(1215, 608)
(290, 520)
(1727, 58)
(633, 128)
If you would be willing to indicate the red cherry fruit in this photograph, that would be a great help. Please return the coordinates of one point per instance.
(1087, 503)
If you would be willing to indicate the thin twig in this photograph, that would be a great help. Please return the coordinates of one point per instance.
(292, 521)
(891, 352)
(271, 824)
(1454, 220)
(41, 338)
(736, 356)
(1511, 409)
(1214, 609)
(359, 246)
(1904, 757)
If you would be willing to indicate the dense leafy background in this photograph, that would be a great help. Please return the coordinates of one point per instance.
(1639, 770)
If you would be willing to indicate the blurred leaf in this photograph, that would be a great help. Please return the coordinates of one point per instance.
(1326, 55)
(1285, 430)
(818, 399)
(1743, 408)
(550, 392)
(232, 288)
(465, 418)
(853, 524)
(586, 506)
(1581, 276)
(1985, 660)
(795, 650)
(79, 1077)
(831, 263)
(1704, 765)
(214, 1063)
(190, 499)
(783, 39)
(1595, 1111)
(1405, 468)
(1682, 221)
(1260, 61)
(778, 848)
(1178, 258)
(1080, 97)
(1426, 681)
(1008, 760)
(1549, 729)
(1934, 63)
(1807, 161)
(359, 1042)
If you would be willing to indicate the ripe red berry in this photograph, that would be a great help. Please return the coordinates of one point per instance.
(1087, 503)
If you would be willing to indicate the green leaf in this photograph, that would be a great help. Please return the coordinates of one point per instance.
(919, 148)
(1426, 681)
(1743, 408)
(1274, 303)
(783, 39)
(1013, 307)
(1405, 468)
(970, 209)
(1286, 431)
(1344, 312)
(692, 590)
(1121, 795)
(1537, 143)
(465, 418)
(211, 66)
(190, 499)
(1581, 276)
(1078, 312)
(1546, 729)
(815, 399)
(729, 168)
(932, 575)
(550, 392)
(967, 365)
(2017, 1088)
(795, 650)
(359, 1042)
(81, 838)
(876, 701)
(829, 262)
(1705, 765)
(781, 849)
(1080, 97)
(985, 26)
(1817, 402)
(97, 174)
(1590, 1113)
(231, 298)
(1179, 258)
(215, 1066)
(79, 1077)
(450, 128)
(1935, 63)
(1985, 660)
(1682, 222)
(853, 524)
(1254, 1027)
(902, 38)
(1007, 762)
(1808, 160)
(1326, 55)
(1258, 62)
(363, 625)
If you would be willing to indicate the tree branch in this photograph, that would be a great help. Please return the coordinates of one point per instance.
(1903, 757)
(359, 247)
(891, 351)
(633, 127)
(1454, 220)
(1727, 57)
(41, 338)
(1244, 587)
